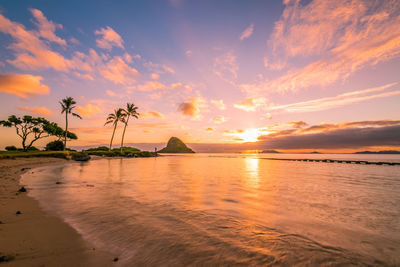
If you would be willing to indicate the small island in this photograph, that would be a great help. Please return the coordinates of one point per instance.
(379, 152)
(270, 151)
(175, 145)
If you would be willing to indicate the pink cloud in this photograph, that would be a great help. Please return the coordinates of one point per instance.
(247, 32)
(225, 67)
(334, 39)
(47, 28)
(219, 104)
(117, 71)
(151, 86)
(108, 39)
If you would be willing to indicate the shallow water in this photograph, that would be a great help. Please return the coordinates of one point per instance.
(229, 209)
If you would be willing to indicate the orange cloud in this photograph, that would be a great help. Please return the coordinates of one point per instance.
(88, 110)
(210, 130)
(37, 110)
(151, 114)
(108, 39)
(250, 104)
(22, 85)
(192, 107)
(247, 32)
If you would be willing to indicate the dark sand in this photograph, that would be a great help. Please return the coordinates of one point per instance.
(34, 238)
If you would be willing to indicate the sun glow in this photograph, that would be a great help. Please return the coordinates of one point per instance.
(248, 135)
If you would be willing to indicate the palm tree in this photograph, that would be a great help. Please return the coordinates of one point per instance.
(67, 105)
(130, 110)
(114, 118)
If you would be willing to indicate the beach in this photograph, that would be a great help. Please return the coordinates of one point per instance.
(34, 238)
(228, 209)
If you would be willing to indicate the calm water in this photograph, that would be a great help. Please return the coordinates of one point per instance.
(230, 209)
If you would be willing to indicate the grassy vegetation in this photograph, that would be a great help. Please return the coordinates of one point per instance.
(126, 152)
(31, 154)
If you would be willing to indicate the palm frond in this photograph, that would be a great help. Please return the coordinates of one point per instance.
(77, 115)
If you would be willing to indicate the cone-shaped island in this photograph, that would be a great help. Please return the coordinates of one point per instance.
(175, 145)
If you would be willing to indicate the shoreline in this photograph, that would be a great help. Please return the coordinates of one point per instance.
(35, 238)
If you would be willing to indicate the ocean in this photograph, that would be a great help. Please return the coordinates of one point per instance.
(229, 209)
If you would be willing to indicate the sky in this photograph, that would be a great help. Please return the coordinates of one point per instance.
(245, 75)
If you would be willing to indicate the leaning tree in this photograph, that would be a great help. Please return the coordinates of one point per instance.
(130, 110)
(67, 105)
(114, 118)
(31, 129)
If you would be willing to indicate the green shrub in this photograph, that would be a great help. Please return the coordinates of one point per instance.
(55, 146)
(127, 149)
(100, 148)
(11, 148)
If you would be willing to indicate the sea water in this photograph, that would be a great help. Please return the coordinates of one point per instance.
(229, 209)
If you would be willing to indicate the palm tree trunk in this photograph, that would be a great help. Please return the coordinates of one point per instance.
(66, 130)
(112, 137)
(123, 134)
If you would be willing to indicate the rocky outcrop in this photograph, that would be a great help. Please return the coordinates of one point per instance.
(175, 145)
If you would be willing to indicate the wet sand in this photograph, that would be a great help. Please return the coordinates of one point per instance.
(34, 238)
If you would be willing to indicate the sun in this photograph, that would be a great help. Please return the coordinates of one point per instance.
(249, 135)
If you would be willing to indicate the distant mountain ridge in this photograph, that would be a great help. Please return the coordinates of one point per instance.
(175, 145)
(270, 151)
(379, 152)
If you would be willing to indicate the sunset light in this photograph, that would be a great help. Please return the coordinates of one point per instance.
(200, 133)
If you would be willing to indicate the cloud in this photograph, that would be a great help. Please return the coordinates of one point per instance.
(30, 51)
(298, 127)
(298, 124)
(337, 139)
(250, 104)
(108, 38)
(88, 110)
(219, 104)
(151, 114)
(117, 71)
(209, 130)
(188, 53)
(334, 39)
(155, 76)
(158, 68)
(84, 76)
(47, 28)
(219, 119)
(247, 32)
(151, 86)
(192, 107)
(225, 67)
(22, 85)
(37, 110)
(339, 100)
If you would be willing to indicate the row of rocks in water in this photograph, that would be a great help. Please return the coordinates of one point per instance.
(342, 161)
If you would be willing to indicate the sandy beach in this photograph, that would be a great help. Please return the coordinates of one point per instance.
(34, 238)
